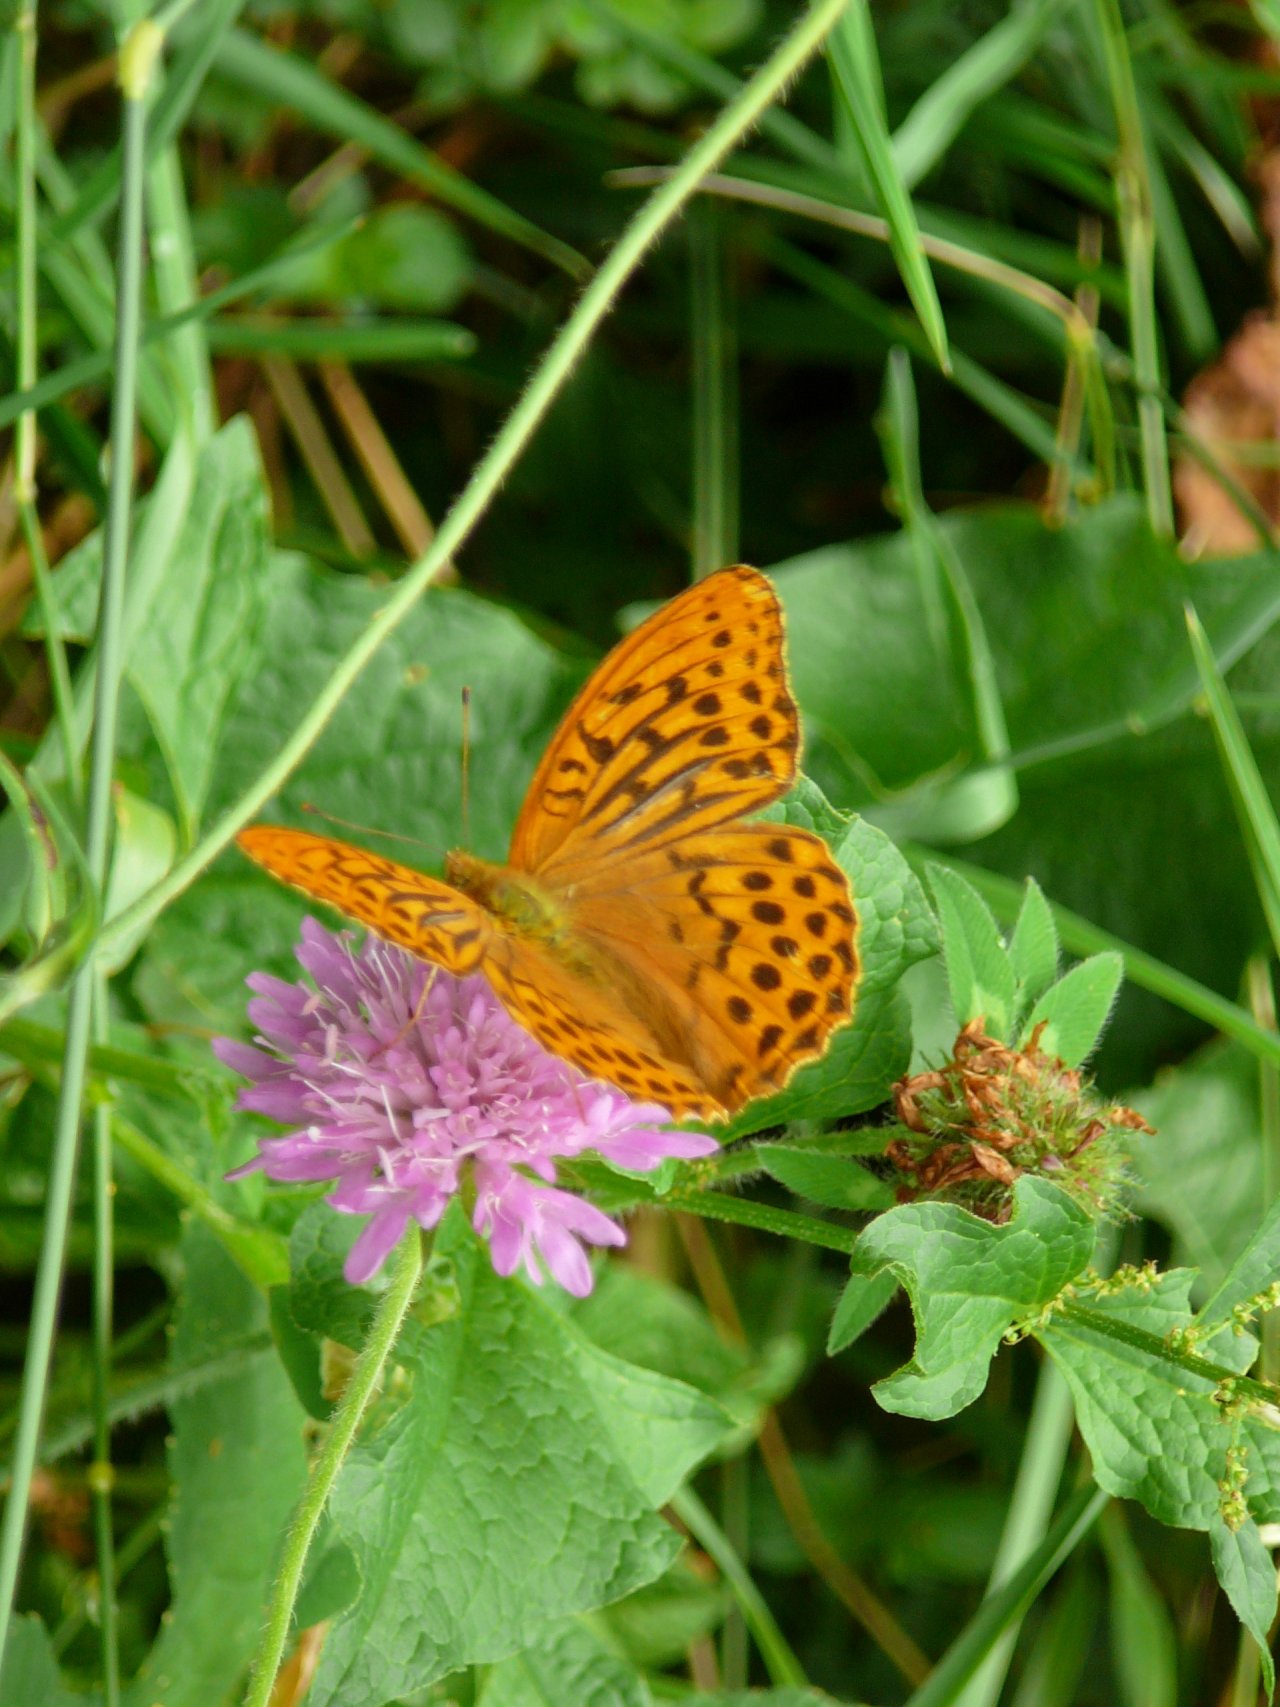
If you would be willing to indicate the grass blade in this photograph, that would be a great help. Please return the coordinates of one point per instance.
(855, 64)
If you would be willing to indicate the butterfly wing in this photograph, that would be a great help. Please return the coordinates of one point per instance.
(687, 723)
(429, 918)
(576, 1018)
(740, 950)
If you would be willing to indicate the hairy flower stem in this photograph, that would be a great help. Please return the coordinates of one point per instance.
(365, 1377)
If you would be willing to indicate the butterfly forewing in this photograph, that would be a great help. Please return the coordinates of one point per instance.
(429, 918)
(688, 723)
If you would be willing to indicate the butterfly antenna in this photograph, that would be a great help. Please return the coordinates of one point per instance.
(466, 766)
(353, 824)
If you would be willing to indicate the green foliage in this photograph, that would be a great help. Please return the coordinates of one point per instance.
(934, 330)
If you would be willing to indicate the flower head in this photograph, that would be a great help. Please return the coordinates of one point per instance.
(399, 1081)
(972, 1127)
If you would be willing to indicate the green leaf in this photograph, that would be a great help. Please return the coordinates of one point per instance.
(837, 1182)
(191, 653)
(1201, 1171)
(567, 1663)
(1257, 816)
(143, 848)
(865, 1297)
(320, 1300)
(30, 1671)
(855, 62)
(403, 256)
(1253, 1272)
(1033, 947)
(1075, 1009)
(978, 968)
(1247, 1572)
(237, 1459)
(390, 757)
(969, 1282)
(507, 1425)
(1151, 1423)
(649, 1322)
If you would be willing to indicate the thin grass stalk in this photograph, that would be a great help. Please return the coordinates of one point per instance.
(1138, 241)
(544, 387)
(26, 362)
(1044, 1454)
(366, 1376)
(715, 449)
(1010, 1602)
(1262, 1002)
(137, 61)
(779, 1660)
(101, 1471)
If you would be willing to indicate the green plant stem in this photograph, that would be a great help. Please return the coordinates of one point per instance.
(134, 70)
(1010, 1603)
(782, 1223)
(365, 1377)
(1039, 1473)
(101, 1473)
(1262, 999)
(25, 367)
(1162, 1351)
(1081, 937)
(779, 1661)
(1138, 240)
(715, 414)
(545, 385)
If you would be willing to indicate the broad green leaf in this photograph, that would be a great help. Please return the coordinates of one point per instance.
(503, 1424)
(1151, 1423)
(143, 849)
(834, 1181)
(237, 1459)
(30, 1673)
(1033, 947)
(654, 1625)
(1075, 1009)
(403, 256)
(865, 1297)
(202, 625)
(320, 1300)
(1201, 1171)
(979, 801)
(1245, 1568)
(567, 1663)
(1255, 1270)
(978, 968)
(969, 1281)
(390, 758)
(648, 1322)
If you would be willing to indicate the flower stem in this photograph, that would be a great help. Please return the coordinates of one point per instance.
(544, 387)
(779, 1661)
(62, 1167)
(365, 1376)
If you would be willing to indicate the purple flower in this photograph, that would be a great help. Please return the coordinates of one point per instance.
(396, 1077)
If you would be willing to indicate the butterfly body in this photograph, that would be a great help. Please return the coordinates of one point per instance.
(640, 928)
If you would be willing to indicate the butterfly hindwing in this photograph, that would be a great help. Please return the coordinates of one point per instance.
(747, 935)
(429, 918)
(688, 723)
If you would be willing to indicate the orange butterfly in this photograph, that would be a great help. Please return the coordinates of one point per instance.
(640, 929)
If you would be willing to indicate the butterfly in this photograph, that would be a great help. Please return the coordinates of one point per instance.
(640, 929)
